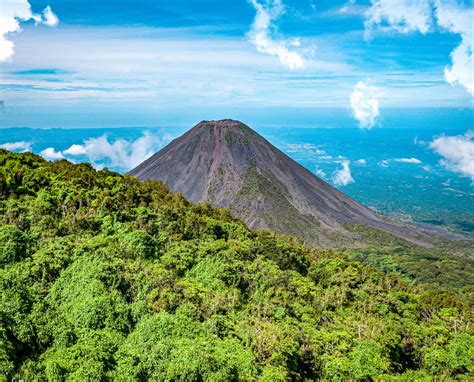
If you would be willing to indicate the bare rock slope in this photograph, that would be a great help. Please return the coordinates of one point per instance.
(229, 165)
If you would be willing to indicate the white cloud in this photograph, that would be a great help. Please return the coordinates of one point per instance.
(365, 105)
(17, 146)
(260, 35)
(402, 16)
(457, 152)
(49, 17)
(321, 173)
(419, 142)
(51, 154)
(343, 176)
(120, 153)
(75, 150)
(408, 160)
(405, 16)
(361, 161)
(351, 9)
(458, 19)
(12, 13)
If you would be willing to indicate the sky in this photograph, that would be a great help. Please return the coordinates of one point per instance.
(70, 63)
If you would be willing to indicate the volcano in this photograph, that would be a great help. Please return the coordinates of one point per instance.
(229, 165)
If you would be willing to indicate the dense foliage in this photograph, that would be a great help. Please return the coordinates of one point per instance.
(104, 277)
(449, 265)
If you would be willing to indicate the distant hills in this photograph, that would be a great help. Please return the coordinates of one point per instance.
(230, 165)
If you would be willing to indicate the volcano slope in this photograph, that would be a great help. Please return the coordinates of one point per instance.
(229, 165)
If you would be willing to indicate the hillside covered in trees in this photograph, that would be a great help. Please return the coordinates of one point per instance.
(104, 277)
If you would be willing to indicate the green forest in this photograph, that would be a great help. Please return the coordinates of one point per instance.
(104, 277)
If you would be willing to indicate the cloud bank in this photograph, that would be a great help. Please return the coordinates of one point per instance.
(365, 105)
(261, 31)
(102, 152)
(343, 176)
(17, 146)
(404, 16)
(12, 13)
(457, 152)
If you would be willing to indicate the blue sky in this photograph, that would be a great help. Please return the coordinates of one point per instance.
(144, 63)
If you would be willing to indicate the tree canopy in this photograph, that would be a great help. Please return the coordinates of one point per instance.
(103, 277)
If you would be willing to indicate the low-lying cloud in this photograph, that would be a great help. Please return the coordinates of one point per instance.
(260, 35)
(320, 172)
(11, 15)
(51, 154)
(457, 152)
(75, 150)
(120, 154)
(365, 105)
(343, 176)
(307, 148)
(387, 162)
(21, 146)
(408, 160)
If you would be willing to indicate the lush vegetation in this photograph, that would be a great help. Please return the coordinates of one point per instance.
(104, 277)
(449, 265)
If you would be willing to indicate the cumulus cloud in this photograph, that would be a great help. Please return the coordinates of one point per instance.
(119, 153)
(361, 161)
(102, 152)
(458, 19)
(405, 16)
(401, 16)
(261, 35)
(408, 160)
(51, 154)
(75, 150)
(13, 12)
(17, 146)
(343, 176)
(365, 105)
(49, 17)
(457, 152)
